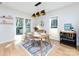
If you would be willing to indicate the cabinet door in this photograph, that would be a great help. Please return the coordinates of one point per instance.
(28, 25)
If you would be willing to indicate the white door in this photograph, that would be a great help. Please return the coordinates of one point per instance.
(53, 30)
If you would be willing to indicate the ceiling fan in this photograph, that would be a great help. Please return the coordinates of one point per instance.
(37, 4)
(38, 13)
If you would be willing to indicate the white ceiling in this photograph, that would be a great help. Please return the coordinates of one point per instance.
(28, 7)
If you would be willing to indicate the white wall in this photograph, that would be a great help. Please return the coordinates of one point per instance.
(37, 21)
(8, 32)
(68, 14)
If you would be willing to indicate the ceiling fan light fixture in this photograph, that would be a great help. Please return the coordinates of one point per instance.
(37, 4)
(37, 14)
(33, 16)
(42, 12)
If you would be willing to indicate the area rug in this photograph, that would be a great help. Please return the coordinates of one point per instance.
(34, 49)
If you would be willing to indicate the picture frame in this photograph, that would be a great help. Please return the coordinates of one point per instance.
(68, 26)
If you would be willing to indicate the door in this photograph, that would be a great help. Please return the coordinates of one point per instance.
(53, 30)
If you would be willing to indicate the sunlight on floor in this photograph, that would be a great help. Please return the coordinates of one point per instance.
(18, 39)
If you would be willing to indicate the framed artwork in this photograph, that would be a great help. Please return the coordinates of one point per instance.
(68, 26)
(54, 22)
(19, 26)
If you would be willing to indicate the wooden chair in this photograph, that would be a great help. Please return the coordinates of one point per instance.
(41, 36)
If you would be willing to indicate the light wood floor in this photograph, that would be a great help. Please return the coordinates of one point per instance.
(10, 49)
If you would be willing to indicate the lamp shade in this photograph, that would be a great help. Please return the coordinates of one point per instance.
(33, 16)
(38, 14)
(42, 12)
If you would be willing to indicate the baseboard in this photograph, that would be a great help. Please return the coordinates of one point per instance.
(6, 41)
(77, 47)
(55, 40)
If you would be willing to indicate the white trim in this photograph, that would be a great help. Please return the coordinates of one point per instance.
(6, 41)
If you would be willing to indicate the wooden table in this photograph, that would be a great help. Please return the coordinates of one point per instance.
(41, 38)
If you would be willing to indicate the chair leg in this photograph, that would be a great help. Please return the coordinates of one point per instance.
(41, 46)
(49, 40)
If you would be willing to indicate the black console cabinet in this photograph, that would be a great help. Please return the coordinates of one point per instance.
(68, 38)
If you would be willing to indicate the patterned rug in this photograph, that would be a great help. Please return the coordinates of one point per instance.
(34, 47)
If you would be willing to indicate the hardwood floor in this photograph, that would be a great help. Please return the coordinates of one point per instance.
(63, 50)
(10, 49)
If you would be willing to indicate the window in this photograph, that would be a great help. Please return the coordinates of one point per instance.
(19, 26)
(28, 25)
(54, 22)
